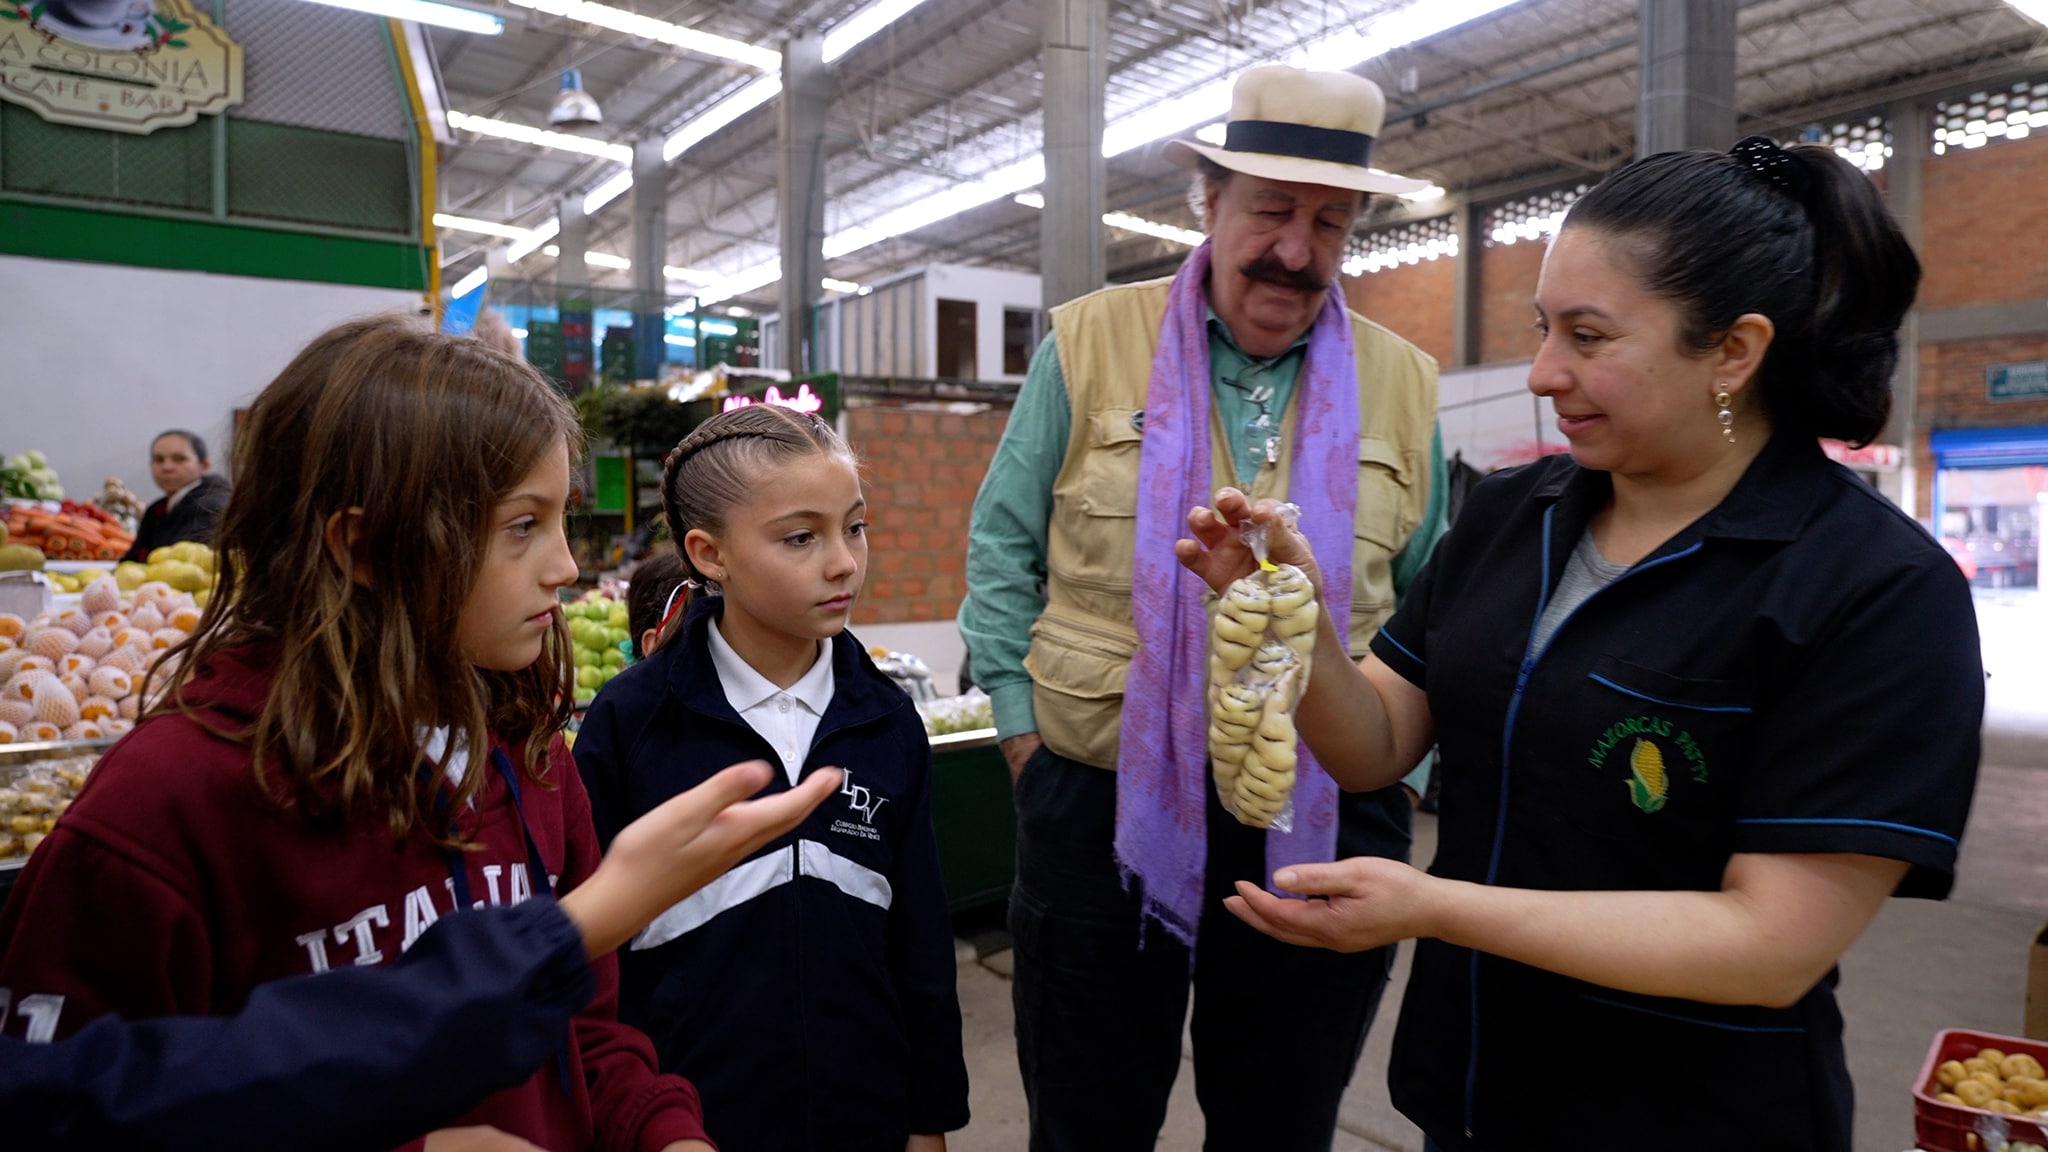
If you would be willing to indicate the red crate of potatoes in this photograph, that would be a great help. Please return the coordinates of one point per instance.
(1945, 1126)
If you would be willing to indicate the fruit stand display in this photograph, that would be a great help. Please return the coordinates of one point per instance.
(79, 671)
(37, 783)
(603, 647)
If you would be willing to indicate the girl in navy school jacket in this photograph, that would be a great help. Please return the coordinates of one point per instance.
(808, 993)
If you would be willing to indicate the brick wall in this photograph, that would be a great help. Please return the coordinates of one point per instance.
(1507, 285)
(1984, 224)
(922, 470)
(1414, 300)
(1953, 394)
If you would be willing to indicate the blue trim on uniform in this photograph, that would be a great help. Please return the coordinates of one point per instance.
(1507, 739)
(1404, 649)
(1599, 679)
(1885, 824)
(1786, 1028)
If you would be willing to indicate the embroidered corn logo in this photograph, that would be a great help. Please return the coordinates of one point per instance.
(1647, 787)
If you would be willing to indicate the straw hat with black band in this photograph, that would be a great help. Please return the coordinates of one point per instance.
(1304, 127)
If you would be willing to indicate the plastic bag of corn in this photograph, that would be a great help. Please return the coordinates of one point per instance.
(1260, 643)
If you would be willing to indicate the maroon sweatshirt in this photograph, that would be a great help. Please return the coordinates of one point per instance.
(173, 885)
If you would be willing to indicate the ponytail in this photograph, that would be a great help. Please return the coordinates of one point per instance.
(1796, 234)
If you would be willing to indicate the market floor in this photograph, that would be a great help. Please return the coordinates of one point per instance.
(1920, 968)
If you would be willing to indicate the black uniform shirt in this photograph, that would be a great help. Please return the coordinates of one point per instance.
(1795, 672)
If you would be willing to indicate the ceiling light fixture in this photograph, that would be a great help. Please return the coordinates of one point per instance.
(660, 31)
(425, 12)
(482, 227)
(540, 137)
(521, 249)
(573, 107)
(607, 192)
(863, 24)
(715, 118)
(845, 287)
(1128, 222)
(469, 283)
(594, 259)
(1144, 227)
(2035, 10)
(1339, 51)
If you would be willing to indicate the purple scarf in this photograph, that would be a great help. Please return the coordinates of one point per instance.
(1163, 780)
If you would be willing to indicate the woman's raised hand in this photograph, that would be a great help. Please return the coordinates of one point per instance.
(1218, 554)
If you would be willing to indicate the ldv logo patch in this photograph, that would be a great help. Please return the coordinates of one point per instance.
(861, 800)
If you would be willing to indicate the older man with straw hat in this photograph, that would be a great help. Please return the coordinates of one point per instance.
(1244, 369)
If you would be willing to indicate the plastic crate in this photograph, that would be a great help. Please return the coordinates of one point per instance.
(1942, 1127)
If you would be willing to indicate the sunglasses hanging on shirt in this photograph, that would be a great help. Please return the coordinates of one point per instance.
(1261, 425)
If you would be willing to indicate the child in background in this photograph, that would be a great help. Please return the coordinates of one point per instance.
(655, 592)
(809, 993)
(360, 736)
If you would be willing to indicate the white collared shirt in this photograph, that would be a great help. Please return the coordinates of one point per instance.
(787, 719)
(181, 493)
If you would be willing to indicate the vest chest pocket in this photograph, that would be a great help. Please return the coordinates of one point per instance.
(1109, 472)
(1384, 479)
(1381, 524)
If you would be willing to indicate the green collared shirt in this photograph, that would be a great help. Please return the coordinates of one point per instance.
(1007, 533)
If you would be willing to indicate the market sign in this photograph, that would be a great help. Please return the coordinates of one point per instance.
(123, 65)
(1869, 458)
(2027, 380)
(816, 394)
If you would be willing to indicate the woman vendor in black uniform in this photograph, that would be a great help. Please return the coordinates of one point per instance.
(1703, 698)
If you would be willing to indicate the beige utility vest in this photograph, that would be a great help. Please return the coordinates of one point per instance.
(1081, 646)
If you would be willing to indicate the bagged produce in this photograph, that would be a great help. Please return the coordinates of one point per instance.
(1260, 643)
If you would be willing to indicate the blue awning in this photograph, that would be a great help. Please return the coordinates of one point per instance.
(1989, 447)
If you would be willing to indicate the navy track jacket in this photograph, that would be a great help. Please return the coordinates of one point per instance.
(808, 993)
(350, 1059)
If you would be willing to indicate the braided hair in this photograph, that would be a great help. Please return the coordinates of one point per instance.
(709, 474)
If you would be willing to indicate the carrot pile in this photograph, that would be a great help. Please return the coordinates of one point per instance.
(77, 532)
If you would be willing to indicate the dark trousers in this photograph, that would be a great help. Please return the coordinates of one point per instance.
(1277, 1029)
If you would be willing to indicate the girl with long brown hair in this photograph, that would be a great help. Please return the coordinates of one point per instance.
(361, 736)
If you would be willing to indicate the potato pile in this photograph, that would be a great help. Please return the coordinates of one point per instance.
(1995, 1082)
(1260, 642)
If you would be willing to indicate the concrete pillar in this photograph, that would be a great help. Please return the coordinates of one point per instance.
(1070, 256)
(571, 273)
(800, 195)
(1902, 174)
(649, 255)
(1465, 285)
(1688, 75)
(572, 292)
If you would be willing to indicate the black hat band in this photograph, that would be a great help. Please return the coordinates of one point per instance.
(1303, 141)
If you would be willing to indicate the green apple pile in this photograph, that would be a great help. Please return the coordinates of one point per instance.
(597, 626)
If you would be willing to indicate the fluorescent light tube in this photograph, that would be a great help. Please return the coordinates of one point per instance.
(540, 138)
(483, 227)
(661, 31)
(426, 12)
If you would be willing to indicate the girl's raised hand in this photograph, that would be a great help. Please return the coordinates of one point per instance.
(686, 843)
(1218, 554)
